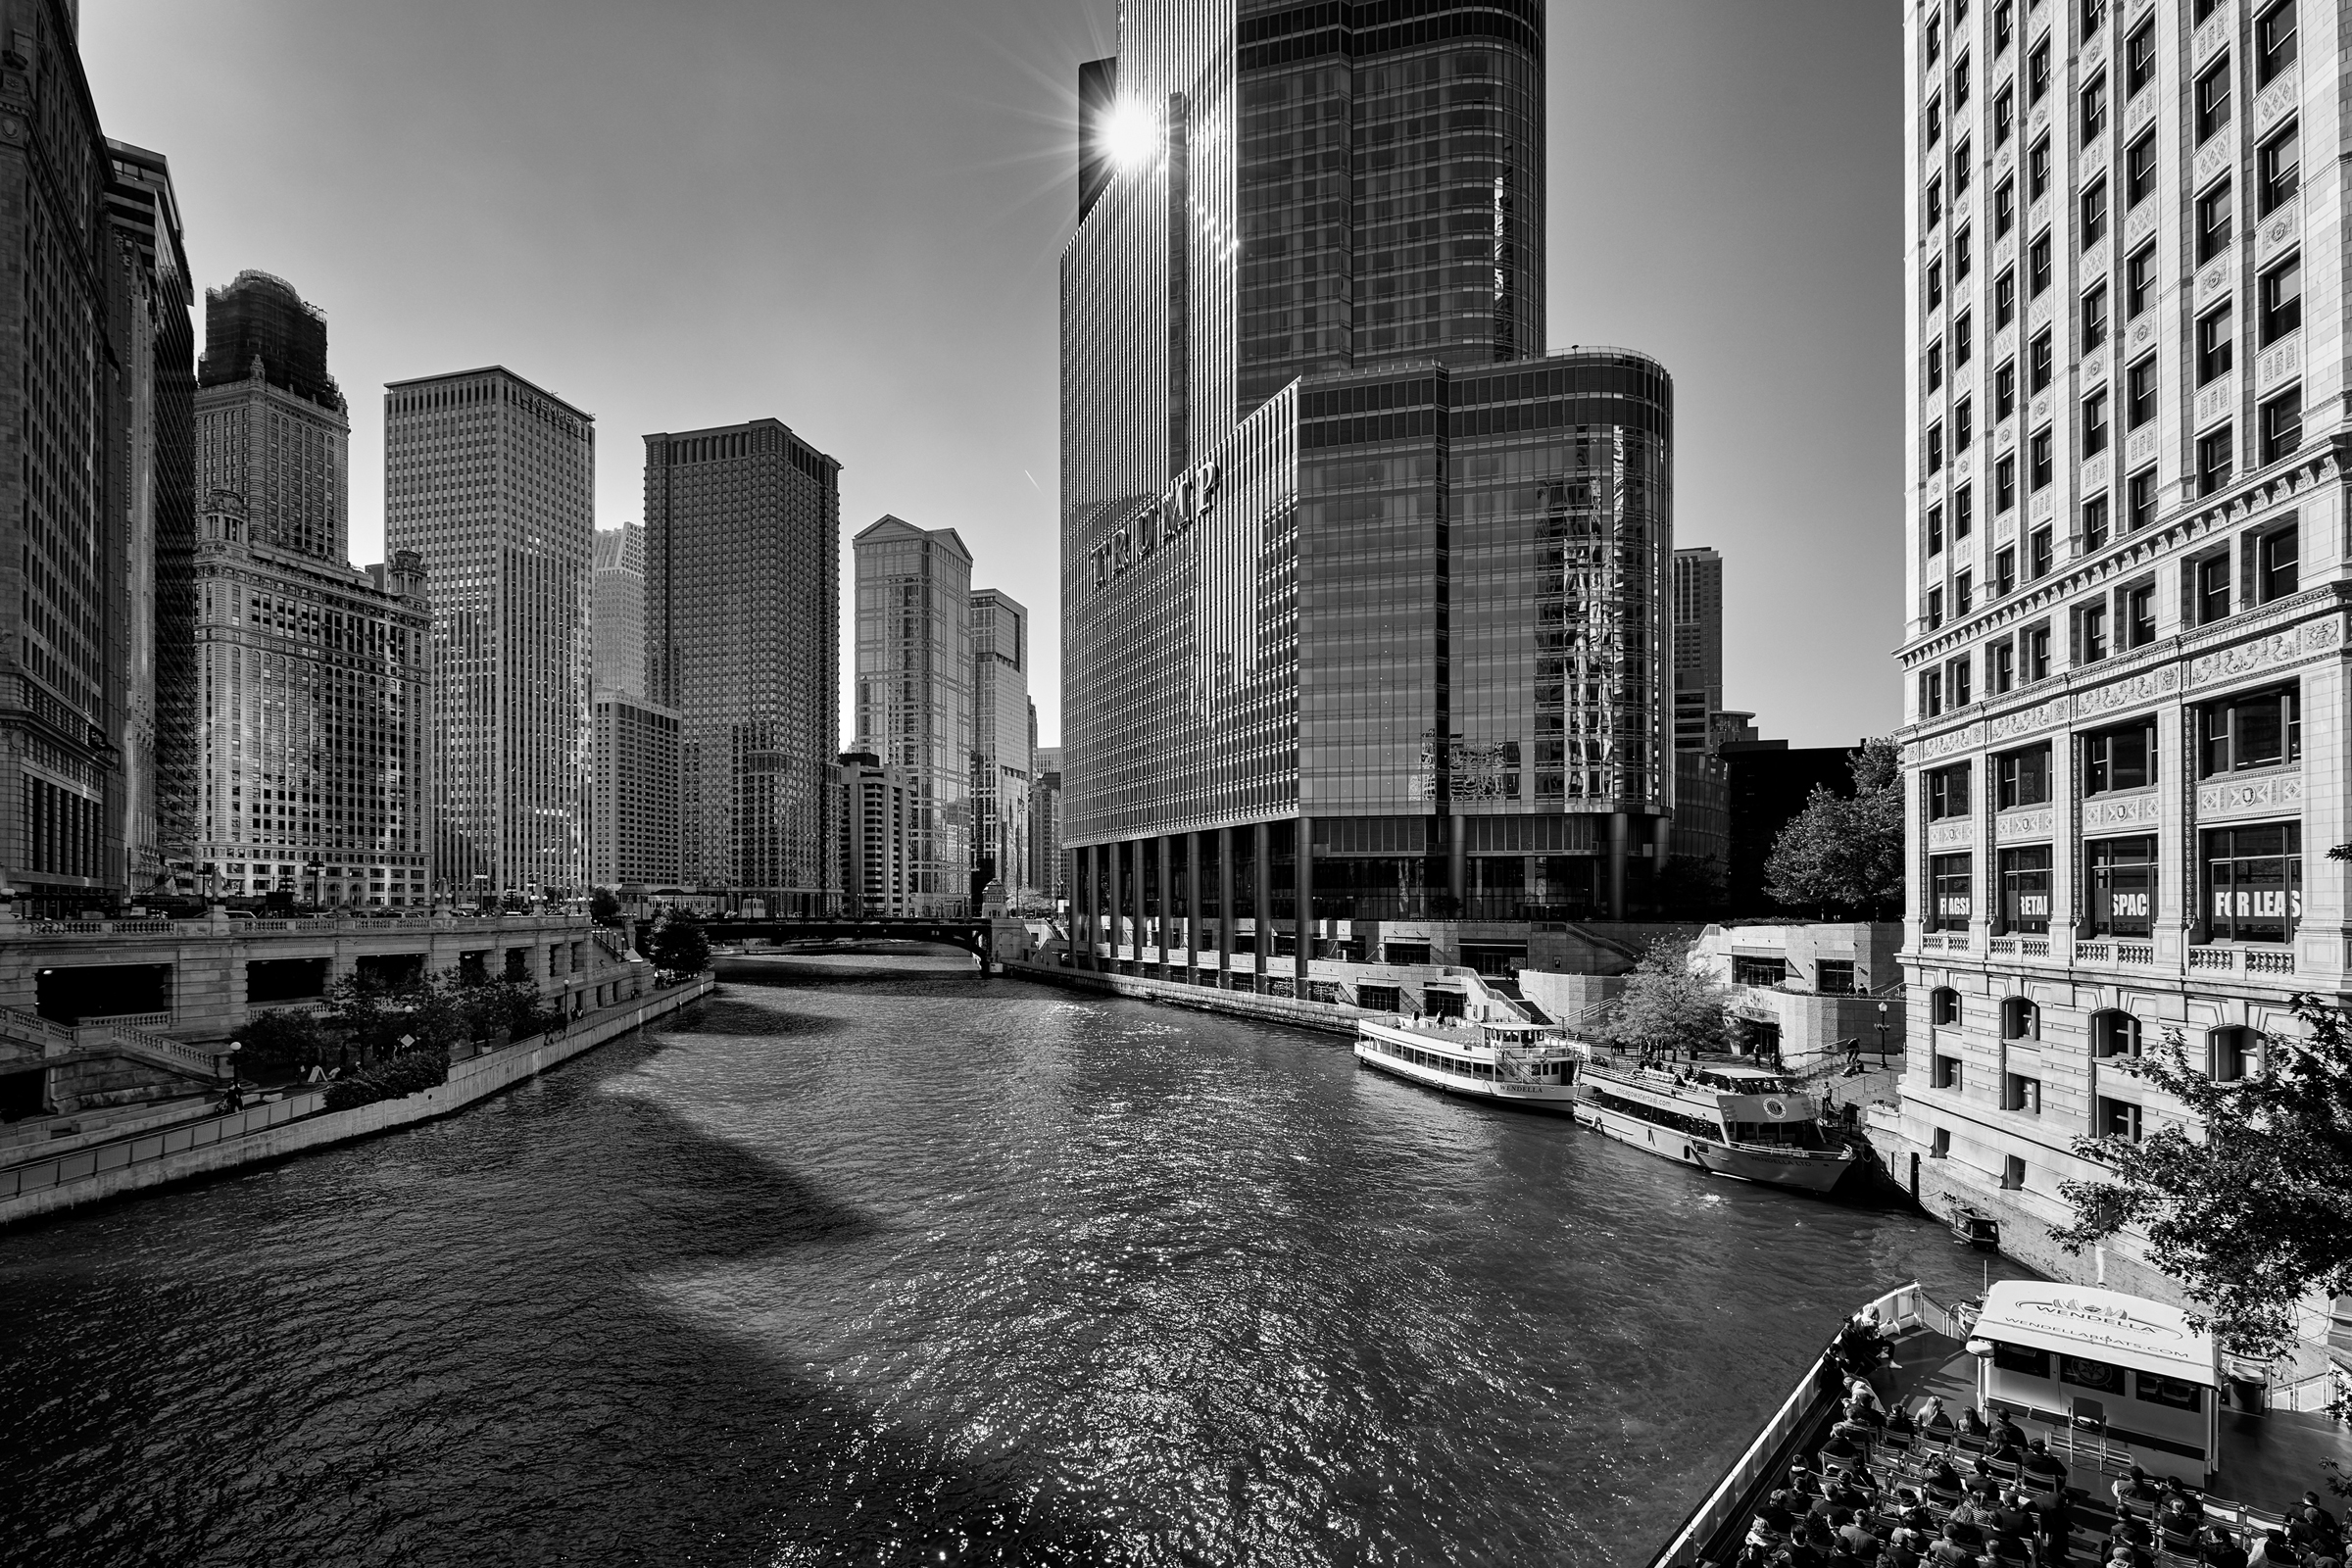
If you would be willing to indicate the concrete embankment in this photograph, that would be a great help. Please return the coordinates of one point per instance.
(1331, 1017)
(301, 1121)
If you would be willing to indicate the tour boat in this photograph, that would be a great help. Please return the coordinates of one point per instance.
(1728, 1121)
(1510, 1061)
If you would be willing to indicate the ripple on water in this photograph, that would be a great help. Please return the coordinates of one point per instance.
(881, 1269)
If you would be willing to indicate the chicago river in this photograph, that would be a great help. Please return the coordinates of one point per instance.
(887, 1263)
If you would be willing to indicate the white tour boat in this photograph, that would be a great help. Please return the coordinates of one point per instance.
(1727, 1120)
(1510, 1061)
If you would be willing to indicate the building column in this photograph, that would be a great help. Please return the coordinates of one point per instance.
(1224, 906)
(1457, 861)
(1167, 903)
(1303, 945)
(1084, 918)
(1136, 850)
(1618, 829)
(1192, 905)
(1263, 910)
(1110, 860)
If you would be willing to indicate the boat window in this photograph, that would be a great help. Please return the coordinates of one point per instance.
(2023, 1360)
(2085, 1373)
(2179, 1393)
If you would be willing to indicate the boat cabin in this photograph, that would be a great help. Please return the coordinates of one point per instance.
(2119, 1375)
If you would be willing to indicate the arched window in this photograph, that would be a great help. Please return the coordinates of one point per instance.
(2020, 1019)
(2232, 1054)
(1943, 1005)
(2114, 1034)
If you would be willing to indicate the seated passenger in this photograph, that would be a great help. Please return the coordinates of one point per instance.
(1971, 1423)
(2008, 1438)
(2134, 1487)
(1898, 1420)
(1934, 1418)
(2040, 1461)
(1839, 1446)
(1864, 1411)
(1981, 1481)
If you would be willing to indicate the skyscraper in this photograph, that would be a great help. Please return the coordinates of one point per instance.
(633, 811)
(1697, 646)
(2124, 654)
(492, 481)
(1001, 724)
(876, 802)
(913, 685)
(743, 639)
(617, 633)
(1365, 606)
(63, 555)
(271, 423)
(155, 509)
(1047, 867)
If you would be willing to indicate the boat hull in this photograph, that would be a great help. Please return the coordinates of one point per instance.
(1557, 1099)
(1742, 1162)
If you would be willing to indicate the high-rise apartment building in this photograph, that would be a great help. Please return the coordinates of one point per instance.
(155, 508)
(616, 635)
(1697, 647)
(1366, 627)
(1001, 721)
(271, 423)
(492, 481)
(876, 805)
(2126, 553)
(1048, 867)
(743, 637)
(633, 809)
(913, 691)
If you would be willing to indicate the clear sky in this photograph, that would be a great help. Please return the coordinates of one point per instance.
(847, 215)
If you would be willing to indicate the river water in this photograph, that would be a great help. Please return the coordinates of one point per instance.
(895, 1264)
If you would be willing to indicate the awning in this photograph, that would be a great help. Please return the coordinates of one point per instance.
(2097, 1325)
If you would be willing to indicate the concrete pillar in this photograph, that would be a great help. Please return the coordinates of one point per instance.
(1224, 905)
(1082, 907)
(1303, 945)
(1111, 882)
(1263, 910)
(1137, 848)
(1167, 901)
(1618, 833)
(1457, 861)
(1191, 903)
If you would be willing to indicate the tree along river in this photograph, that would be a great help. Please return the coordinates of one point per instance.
(895, 1264)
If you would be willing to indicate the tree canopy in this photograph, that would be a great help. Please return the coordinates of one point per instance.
(604, 906)
(1669, 1006)
(2249, 1201)
(1844, 855)
(681, 944)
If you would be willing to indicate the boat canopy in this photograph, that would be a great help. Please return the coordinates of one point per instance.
(2097, 1325)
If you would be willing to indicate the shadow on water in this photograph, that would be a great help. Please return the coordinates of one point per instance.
(466, 1359)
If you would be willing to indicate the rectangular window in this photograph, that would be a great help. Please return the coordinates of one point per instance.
(1935, 447)
(2140, 393)
(2282, 300)
(2137, 621)
(2095, 110)
(1950, 899)
(2020, 1092)
(2120, 758)
(1931, 688)
(2042, 553)
(2215, 453)
(1935, 119)
(2213, 98)
(2004, 484)
(2003, 20)
(1935, 201)
(2001, 667)
(2090, 628)
(2094, 523)
(2214, 211)
(2215, 342)
(2094, 319)
(1955, 681)
(2004, 298)
(2020, 1359)
(1935, 607)
(1935, 285)
(2037, 461)
(1935, 529)
(1947, 792)
(2274, 41)
(1963, 168)
(2140, 170)
(2037, 170)
(2251, 730)
(1964, 338)
(2038, 72)
(1935, 365)
(1750, 971)
(2037, 644)
(1947, 1070)
(2141, 496)
(2154, 1388)
(2279, 168)
(2282, 425)
(2004, 391)
(2037, 264)
(2004, 208)
(1964, 511)
(2275, 564)
(2013, 1172)
(1935, 39)
(2094, 424)
(1834, 977)
(2004, 574)
(2254, 882)
(2037, 362)
(2120, 1118)
(2004, 116)
(1959, 80)
(2212, 582)
(1962, 259)
(2021, 778)
(2139, 58)
(1962, 603)
(2095, 212)
(2123, 887)
(1964, 424)
(2140, 280)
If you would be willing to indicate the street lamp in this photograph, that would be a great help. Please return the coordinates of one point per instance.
(1882, 1034)
(318, 869)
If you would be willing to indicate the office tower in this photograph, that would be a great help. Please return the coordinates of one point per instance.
(271, 423)
(618, 635)
(743, 641)
(155, 509)
(1001, 728)
(876, 804)
(1047, 867)
(64, 559)
(2126, 552)
(315, 679)
(1365, 613)
(913, 691)
(633, 812)
(1697, 647)
(492, 481)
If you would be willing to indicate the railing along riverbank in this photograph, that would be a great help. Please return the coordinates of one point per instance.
(1334, 1018)
(300, 1120)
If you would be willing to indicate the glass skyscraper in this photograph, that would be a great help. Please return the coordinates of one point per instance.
(1366, 626)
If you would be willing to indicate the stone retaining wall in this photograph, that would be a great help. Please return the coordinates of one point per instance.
(1330, 1017)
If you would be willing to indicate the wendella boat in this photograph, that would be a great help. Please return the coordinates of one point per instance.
(1510, 1061)
(1739, 1122)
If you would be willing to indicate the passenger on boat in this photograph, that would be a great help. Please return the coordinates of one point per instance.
(1981, 1482)
(2040, 1461)
(2134, 1487)
(2217, 1549)
(2008, 1438)
(1898, 1422)
(2272, 1551)
(1934, 1419)
(1972, 1424)
(2315, 1514)
(2179, 1510)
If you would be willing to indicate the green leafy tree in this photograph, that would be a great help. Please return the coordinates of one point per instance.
(284, 1037)
(1693, 887)
(1669, 1006)
(1844, 855)
(604, 906)
(681, 944)
(2249, 1201)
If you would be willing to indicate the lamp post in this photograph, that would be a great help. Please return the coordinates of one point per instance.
(318, 869)
(1882, 1034)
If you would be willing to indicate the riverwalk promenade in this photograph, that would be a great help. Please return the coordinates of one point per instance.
(199, 1147)
(1331, 1016)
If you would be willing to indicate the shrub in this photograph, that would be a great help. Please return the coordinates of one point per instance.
(397, 1079)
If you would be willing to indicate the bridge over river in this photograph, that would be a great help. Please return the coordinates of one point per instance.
(989, 940)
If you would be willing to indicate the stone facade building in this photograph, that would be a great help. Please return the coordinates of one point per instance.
(633, 820)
